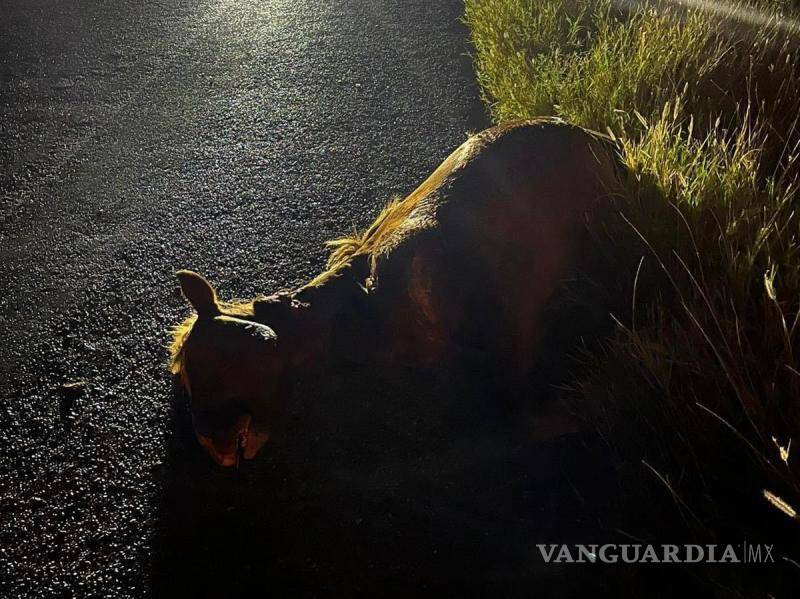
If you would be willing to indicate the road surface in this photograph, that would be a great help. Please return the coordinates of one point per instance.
(232, 137)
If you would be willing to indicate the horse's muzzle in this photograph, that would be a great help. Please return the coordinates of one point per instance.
(240, 439)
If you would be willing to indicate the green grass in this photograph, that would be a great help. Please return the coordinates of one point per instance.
(604, 69)
(699, 388)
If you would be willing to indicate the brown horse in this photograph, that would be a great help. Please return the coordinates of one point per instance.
(466, 263)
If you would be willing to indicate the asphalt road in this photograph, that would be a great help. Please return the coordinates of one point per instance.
(232, 137)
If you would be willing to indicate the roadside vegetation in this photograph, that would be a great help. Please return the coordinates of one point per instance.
(696, 395)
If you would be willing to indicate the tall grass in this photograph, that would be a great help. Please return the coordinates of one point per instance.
(698, 392)
(598, 64)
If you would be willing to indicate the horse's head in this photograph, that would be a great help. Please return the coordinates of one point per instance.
(233, 372)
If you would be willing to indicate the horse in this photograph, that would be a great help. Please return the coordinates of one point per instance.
(464, 265)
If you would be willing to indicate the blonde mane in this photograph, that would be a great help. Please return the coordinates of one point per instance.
(394, 216)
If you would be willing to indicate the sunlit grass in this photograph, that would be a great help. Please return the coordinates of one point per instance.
(700, 385)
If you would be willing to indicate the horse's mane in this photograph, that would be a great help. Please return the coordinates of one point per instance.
(382, 234)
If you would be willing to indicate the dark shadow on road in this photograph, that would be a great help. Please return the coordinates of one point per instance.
(387, 482)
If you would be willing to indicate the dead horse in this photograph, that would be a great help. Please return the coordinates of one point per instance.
(468, 260)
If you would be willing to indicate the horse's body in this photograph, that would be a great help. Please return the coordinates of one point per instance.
(466, 263)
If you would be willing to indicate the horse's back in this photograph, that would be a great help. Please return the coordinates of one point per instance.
(492, 234)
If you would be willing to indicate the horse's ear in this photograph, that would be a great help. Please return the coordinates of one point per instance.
(199, 292)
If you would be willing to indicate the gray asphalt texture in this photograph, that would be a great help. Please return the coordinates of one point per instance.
(139, 137)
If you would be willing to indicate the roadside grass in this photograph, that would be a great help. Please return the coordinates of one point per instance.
(697, 394)
(598, 65)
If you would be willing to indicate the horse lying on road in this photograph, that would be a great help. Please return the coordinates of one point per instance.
(466, 263)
